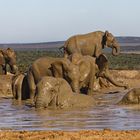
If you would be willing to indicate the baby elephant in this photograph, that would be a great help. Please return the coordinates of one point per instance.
(132, 97)
(56, 92)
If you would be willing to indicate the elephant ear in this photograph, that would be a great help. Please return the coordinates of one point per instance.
(84, 69)
(58, 67)
(102, 62)
(10, 52)
(104, 39)
(54, 94)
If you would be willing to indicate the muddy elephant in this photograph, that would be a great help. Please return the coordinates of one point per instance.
(99, 68)
(102, 71)
(132, 97)
(20, 88)
(82, 72)
(91, 44)
(2, 63)
(8, 57)
(56, 92)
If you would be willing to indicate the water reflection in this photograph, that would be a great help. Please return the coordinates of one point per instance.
(106, 115)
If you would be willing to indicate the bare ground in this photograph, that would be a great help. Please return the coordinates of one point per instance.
(106, 134)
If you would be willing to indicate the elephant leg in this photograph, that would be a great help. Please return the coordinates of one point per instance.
(92, 80)
(32, 86)
(17, 87)
(14, 90)
(18, 92)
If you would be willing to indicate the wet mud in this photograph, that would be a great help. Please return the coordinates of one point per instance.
(107, 113)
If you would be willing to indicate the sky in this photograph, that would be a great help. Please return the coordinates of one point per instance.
(31, 21)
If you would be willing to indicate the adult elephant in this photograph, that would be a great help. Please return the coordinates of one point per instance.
(56, 92)
(8, 57)
(88, 68)
(74, 73)
(91, 44)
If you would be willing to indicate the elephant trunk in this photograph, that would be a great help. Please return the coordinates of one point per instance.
(39, 103)
(75, 87)
(116, 49)
(111, 80)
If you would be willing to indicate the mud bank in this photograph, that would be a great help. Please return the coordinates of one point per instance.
(106, 134)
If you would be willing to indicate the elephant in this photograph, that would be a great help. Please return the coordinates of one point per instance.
(131, 97)
(56, 92)
(91, 44)
(99, 69)
(102, 71)
(20, 88)
(8, 56)
(2, 63)
(82, 72)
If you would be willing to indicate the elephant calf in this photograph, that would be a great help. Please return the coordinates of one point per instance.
(132, 97)
(57, 92)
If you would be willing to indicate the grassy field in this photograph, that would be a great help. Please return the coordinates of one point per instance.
(123, 61)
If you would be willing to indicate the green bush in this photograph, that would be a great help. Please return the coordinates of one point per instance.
(122, 61)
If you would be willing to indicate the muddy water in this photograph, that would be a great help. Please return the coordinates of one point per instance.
(105, 115)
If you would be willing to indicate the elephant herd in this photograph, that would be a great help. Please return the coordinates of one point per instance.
(59, 82)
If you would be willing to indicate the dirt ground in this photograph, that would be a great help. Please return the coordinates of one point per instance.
(131, 77)
(105, 134)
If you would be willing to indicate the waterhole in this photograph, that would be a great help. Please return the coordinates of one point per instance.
(107, 114)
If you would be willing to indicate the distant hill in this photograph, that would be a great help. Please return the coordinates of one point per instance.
(33, 45)
(124, 41)
(128, 39)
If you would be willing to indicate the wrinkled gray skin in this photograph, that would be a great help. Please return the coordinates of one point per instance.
(8, 57)
(20, 88)
(91, 44)
(132, 97)
(82, 73)
(56, 92)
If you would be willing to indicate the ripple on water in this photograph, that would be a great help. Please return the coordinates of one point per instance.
(21, 117)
